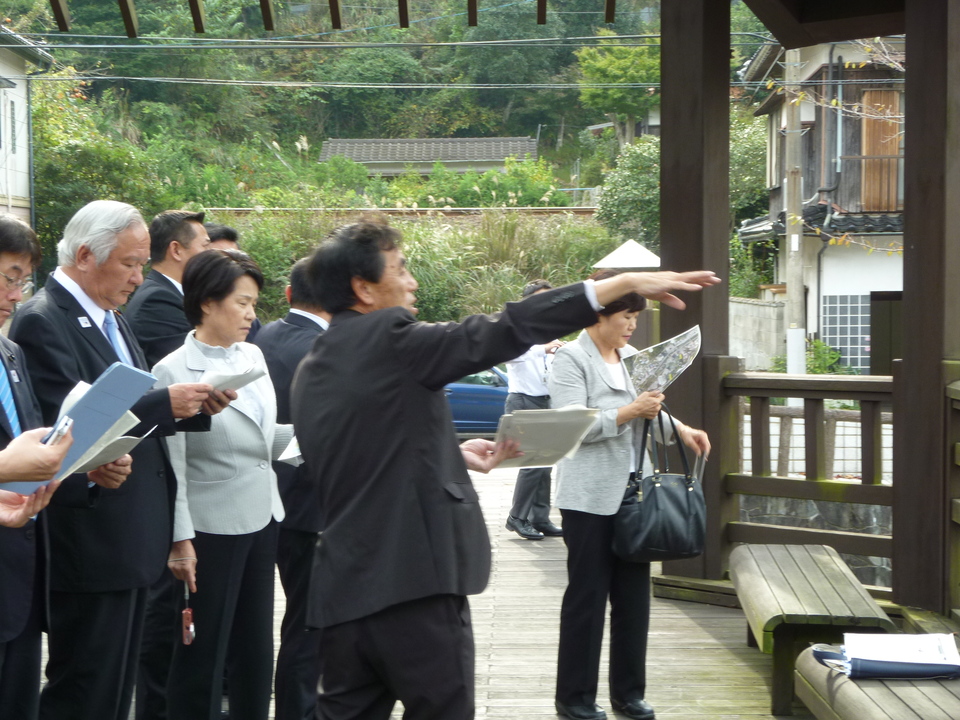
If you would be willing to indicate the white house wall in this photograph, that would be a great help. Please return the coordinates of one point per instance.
(14, 138)
(850, 274)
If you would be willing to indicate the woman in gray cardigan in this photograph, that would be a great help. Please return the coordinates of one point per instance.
(228, 505)
(594, 371)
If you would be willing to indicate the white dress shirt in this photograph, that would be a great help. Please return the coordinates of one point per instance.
(95, 313)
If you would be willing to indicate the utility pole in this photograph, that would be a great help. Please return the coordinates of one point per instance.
(796, 332)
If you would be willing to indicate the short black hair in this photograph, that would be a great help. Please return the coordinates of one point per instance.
(350, 251)
(18, 238)
(535, 286)
(212, 275)
(631, 302)
(168, 226)
(303, 292)
(222, 232)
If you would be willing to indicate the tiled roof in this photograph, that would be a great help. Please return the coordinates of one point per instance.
(763, 228)
(452, 150)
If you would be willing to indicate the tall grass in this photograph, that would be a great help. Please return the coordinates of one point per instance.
(464, 265)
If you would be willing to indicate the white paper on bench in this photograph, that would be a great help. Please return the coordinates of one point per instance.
(933, 648)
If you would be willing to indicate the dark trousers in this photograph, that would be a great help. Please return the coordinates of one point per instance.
(20, 669)
(594, 573)
(94, 643)
(298, 661)
(233, 616)
(419, 652)
(160, 633)
(531, 494)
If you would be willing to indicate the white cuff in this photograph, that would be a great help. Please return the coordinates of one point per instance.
(591, 292)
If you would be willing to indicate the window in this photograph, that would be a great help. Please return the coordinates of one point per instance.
(881, 182)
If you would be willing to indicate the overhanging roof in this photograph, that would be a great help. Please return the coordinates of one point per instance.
(800, 23)
(461, 153)
(24, 48)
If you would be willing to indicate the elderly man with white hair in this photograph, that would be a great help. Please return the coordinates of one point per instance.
(107, 542)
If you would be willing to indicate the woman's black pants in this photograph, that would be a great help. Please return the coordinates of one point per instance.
(594, 574)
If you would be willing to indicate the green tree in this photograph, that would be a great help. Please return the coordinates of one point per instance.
(609, 62)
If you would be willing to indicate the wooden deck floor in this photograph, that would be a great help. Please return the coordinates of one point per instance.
(699, 667)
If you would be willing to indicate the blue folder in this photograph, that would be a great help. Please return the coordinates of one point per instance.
(117, 389)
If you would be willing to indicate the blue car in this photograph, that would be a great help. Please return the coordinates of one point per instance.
(476, 402)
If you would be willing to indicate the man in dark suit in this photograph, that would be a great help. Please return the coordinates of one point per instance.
(21, 588)
(103, 558)
(224, 237)
(404, 541)
(155, 312)
(285, 343)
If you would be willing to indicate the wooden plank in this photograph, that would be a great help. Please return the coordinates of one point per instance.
(760, 434)
(871, 443)
(269, 14)
(403, 11)
(813, 432)
(812, 593)
(198, 13)
(824, 490)
(609, 11)
(472, 13)
(335, 22)
(541, 12)
(129, 14)
(61, 13)
(847, 542)
(757, 595)
(862, 609)
(843, 387)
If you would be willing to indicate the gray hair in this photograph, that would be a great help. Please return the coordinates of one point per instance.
(96, 225)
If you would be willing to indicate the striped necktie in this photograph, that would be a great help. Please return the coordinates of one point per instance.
(113, 335)
(6, 399)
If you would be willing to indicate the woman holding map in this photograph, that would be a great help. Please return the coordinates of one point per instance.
(594, 371)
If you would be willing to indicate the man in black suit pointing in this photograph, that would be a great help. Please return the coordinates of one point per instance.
(404, 541)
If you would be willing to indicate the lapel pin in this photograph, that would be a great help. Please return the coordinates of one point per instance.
(84, 321)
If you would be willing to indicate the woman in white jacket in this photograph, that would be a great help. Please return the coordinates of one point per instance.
(228, 505)
(594, 371)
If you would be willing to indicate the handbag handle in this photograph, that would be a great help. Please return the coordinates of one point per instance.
(656, 450)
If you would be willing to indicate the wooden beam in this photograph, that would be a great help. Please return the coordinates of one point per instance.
(335, 15)
(695, 217)
(61, 13)
(840, 387)
(800, 489)
(800, 23)
(404, 12)
(814, 439)
(129, 14)
(609, 11)
(269, 14)
(199, 16)
(921, 481)
(760, 435)
(871, 443)
(541, 12)
(472, 13)
(844, 542)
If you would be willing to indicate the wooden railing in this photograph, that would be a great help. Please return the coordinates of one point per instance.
(872, 393)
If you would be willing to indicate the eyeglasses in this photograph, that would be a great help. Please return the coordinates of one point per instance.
(23, 284)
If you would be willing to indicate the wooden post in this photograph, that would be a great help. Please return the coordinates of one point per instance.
(931, 306)
(815, 446)
(129, 14)
(199, 16)
(694, 213)
(760, 435)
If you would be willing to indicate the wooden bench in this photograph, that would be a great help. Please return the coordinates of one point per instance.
(831, 695)
(793, 595)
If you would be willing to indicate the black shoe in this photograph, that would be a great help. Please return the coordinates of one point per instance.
(635, 709)
(548, 528)
(523, 529)
(581, 712)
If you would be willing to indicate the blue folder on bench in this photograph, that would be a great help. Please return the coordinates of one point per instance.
(893, 657)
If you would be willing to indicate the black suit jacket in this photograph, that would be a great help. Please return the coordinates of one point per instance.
(155, 313)
(121, 542)
(285, 343)
(18, 546)
(401, 518)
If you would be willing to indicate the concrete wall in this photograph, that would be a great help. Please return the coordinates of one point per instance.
(757, 331)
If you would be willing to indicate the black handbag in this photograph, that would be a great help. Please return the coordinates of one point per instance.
(663, 516)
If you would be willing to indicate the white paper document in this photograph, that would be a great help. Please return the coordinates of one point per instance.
(108, 453)
(545, 436)
(232, 381)
(291, 453)
(933, 648)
